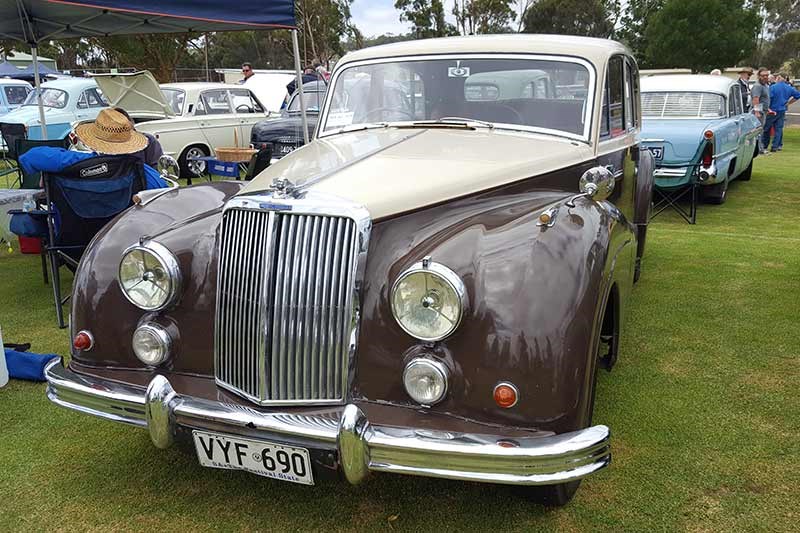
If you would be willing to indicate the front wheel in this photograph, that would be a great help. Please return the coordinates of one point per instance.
(561, 494)
(192, 169)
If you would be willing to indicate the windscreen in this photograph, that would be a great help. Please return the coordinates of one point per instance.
(175, 99)
(541, 94)
(16, 94)
(682, 105)
(313, 100)
(50, 98)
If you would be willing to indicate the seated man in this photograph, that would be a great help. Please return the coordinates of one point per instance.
(110, 134)
(153, 151)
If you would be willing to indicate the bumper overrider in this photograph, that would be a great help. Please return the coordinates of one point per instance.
(361, 447)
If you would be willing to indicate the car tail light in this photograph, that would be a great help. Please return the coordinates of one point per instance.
(708, 134)
(708, 154)
(73, 139)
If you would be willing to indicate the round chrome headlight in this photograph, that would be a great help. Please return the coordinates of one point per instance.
(425, 381)
(149, 276)
(428, 301)
(151, 344)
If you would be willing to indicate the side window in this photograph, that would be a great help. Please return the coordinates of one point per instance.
(244, 102)
(83, 101)
(738, 104)
(94, 99)
(733, 99)
(613, 113)
(631, 97)
(215, 102)
(637, 97)
(616, 91)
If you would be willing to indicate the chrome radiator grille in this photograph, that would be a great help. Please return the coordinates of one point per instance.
(285, 305)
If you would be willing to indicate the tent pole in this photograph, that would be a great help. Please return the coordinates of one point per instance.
(38, 91)
(300, 85)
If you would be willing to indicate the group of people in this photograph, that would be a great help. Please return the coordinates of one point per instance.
(768, 99)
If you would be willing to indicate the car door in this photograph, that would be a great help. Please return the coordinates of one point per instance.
(248, 111)
(737, 137)
(216, 118)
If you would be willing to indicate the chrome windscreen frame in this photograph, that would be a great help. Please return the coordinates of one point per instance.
(304, 202)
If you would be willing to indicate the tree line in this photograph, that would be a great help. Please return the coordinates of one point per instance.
(696, 34)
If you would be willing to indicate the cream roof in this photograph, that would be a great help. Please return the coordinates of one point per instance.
(594, 50)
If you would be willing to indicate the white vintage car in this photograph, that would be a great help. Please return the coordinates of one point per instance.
(189, 119)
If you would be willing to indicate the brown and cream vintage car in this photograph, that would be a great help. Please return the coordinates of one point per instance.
(427, 288)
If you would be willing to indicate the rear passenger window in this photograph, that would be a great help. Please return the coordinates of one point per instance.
(613, 112)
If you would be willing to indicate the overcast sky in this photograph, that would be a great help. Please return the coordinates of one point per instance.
(376, 17)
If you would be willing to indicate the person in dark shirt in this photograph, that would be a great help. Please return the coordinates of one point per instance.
(309, 75)
(110, 134)
(153, 152)
(744, 83)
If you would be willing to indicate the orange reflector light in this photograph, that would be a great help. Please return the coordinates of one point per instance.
(83, 341)
(708, 134)
(505, 395)
(544, 218)
(507, 444)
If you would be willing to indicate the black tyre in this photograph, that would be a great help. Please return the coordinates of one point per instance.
(716, 194)
(748, 172)
(561, 494)
(192, 169)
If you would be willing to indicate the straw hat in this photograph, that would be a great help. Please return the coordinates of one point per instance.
(111, 133)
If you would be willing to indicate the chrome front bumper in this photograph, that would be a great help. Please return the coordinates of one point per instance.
(362, 447)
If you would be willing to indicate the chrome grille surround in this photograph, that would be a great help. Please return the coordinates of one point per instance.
(276, 340)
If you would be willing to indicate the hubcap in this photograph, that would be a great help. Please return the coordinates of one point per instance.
(195, 167)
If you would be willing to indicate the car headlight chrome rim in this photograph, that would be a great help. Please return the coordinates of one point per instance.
(428, 301)
(149, 276)
(425, 380)
(152, 344)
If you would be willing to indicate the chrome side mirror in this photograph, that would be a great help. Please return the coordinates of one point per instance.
(597, 183)
(167, 166)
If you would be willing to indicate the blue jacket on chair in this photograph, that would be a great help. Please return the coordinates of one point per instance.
(49, 159)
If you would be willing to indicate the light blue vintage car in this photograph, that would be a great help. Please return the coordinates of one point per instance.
(66, 101)
(697, 128)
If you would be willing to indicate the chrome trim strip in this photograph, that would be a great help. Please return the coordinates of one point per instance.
(362, 447)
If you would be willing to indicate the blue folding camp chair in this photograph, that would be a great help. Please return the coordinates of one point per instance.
(82, 199)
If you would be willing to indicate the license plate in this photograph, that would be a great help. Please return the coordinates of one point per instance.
(657, 151)
(268, 459)
(286, 149)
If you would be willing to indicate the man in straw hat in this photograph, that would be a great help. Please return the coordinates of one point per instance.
(110, 134)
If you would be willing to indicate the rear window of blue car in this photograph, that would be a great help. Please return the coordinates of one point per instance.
(682, 105)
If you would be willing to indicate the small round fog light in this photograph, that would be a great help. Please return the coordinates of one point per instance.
(425, 381)
(151, 344)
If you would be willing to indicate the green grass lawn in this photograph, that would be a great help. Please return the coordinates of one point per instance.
(703, 407)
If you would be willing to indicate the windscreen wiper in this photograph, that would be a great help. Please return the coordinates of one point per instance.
(461, 122)
(359, 127)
